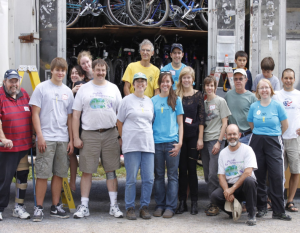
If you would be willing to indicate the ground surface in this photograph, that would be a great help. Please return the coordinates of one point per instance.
(101, 221)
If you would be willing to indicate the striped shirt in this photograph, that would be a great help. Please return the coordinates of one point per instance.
(15, 115)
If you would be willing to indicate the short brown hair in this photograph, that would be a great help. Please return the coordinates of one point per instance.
(210, 79)
(288, 70)
(241, 54)
(84, 54)
(99, 62)
(257, 87)
(59, 62)
(267, 64)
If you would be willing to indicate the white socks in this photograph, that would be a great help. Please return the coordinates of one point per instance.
(85, 201)
(113, 198)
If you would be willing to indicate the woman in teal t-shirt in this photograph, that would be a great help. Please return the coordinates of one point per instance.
(168, 134)
(268, 121)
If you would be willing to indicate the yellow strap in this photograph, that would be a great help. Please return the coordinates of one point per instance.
(21, 186)
(20, 201)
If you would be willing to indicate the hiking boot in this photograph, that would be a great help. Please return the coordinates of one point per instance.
(115, 211)
(182, 207)
(158, 212)
(130, 214)
(281, 216)
(261, 213)
(213, 210)
(194, 208)
(168, 213)
(20, 212)
(82, 211)
(208, 207)
(38, 214)
(58, 211)
(144, 213)
(251, 220)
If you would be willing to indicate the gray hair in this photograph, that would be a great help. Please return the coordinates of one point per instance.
(147, 42)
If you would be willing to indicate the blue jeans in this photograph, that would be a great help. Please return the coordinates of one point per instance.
(246, 139)
(166, 199)
(134, 161)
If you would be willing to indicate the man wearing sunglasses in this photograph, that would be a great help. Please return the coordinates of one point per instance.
(175, 66)
(239, 100)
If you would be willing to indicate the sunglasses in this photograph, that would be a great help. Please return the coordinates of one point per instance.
(238, 79)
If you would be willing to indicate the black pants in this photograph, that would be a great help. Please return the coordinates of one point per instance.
(9, 162)
(246, 192)
(269, 156)
(188, 169)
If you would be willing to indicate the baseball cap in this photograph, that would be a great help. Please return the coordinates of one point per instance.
(139, 75)
(9, 74)
(176, 45)
(234, 207)
(241, 71)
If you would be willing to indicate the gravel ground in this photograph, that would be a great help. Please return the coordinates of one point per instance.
(101, 221)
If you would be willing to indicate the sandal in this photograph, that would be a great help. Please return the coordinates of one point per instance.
(270, 205)
(290, 206)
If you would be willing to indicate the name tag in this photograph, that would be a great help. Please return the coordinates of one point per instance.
(188, 120)
(65, 97)
(212, 107)
(26, 109)
(172, 72)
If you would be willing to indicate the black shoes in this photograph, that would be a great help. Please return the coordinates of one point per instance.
(281, 216)
(194, 208)
(182, 207)
(261, 213)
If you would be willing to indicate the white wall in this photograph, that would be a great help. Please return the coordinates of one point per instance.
(4, 62)
(293, 59)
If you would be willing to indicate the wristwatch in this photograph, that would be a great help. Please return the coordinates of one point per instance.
(220, 141)
(119, 137)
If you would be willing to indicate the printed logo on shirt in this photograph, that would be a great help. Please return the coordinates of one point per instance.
(99, 103)
(287, 103)
(150, 79)
(234, 167)
(26, 109)
(258, 112)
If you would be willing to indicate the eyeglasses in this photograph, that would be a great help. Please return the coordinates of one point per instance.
(145, 50)
(264, 88)
(238, 79)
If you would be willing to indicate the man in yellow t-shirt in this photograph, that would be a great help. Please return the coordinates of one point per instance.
(144, 66)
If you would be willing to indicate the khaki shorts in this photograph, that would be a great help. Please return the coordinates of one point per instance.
(23, 165)
(54, 160)
(96, 145)
(292, 154)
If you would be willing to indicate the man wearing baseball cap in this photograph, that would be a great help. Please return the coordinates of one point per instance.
(16, 135)
(175, 66)
(239, 100)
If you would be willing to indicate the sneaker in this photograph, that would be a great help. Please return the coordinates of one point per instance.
(261, 213)
(208, 207)
(1, 216)
(168, 214)
(144, 213)
(251, 220)
(213, 210)
(281, 216)
(38, 214)
(82, 211)
(158, 212)
(20, 212)
(130, 214)
(58, 211)
(115, 211)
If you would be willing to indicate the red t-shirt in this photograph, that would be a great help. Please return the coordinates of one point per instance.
(15, 115)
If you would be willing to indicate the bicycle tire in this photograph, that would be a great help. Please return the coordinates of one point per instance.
(110, 73)
(119, 71)
(201, 19)
(158, 13)
(72, 13)
(117, 11)
(197, 74)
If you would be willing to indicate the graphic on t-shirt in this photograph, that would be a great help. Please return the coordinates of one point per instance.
(97, 103)
(287, 103)
(234, 167)
(210, 115)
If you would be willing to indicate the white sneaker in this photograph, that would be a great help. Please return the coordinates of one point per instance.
(20, 212)
(1, 216)
(38, 214)
(82, 211)
(115, 211)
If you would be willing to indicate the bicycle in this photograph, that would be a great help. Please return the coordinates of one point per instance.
(160, 10)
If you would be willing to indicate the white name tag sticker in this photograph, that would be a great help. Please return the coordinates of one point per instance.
(64, 97)
(26, 109)
(188, 120)
(212, 107)
(172, 72)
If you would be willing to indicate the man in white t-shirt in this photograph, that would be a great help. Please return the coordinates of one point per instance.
(236, 162)
(290, 98)
(98, 101)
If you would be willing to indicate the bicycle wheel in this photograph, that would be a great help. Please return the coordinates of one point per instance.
(73, 11)
(158, 13)
(117, 11)
(119, 71)
(201, 19)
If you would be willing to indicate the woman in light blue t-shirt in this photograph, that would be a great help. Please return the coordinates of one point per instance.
(168, 134)
(268, 121)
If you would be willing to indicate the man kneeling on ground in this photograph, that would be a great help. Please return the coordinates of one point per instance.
(237, 180)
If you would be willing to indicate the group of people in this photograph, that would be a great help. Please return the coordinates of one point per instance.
(161, 124)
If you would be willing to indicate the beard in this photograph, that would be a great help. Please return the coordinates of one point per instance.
(13, 93)
(233, 144)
